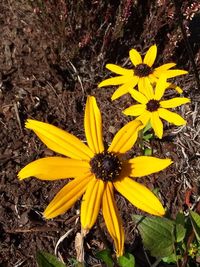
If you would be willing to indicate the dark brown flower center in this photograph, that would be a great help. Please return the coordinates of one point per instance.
(153, 105)
(142, 70)
(106, 166)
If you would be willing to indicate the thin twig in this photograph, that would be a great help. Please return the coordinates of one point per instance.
(147, 258)
(156, 263)
(17, 116)
(78, 77)
(32, 230)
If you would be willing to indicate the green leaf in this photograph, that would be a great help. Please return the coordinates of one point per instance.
(147, 137)
(180, 232)
(170, 259)
(180, 218)
(127, 260)
(45, 259)
(105, 256)
(157, 235)
(148, 152)
(146, 128)
(195, 220)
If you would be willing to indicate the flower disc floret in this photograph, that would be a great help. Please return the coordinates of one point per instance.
(153, 105)
(142, 70)
(106, 166)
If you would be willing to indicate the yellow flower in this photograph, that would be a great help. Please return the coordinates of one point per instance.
(96, 172)
(151, 108)
(142, 72)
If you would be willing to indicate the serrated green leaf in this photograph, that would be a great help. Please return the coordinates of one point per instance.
(157, 235)
(196, 217)
(45, 259)
(180, 232)
(195, 220)
(170, 259)
(105, 256)
(127, 260)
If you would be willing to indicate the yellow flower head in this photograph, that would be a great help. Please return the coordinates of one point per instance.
(142, 72)
(96, 172)
(151, 108)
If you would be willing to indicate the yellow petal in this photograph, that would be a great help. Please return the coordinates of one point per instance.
(115, 81)
(67, 196)
(119, 70)
(91, 203)
(161, 86)
(93, 126)
(140, 196)
(175, 87)
(174, 73)
(145, 165)
(150, 56)
(146, 88)
(54, 168)
(135, 57)
(144, 117)
(122, 90)
(171, 117)
(157, 124)
(174, 102)
(160, 70)
(139, 97)
(60, 141)
(112, 219)
(125, 138)
(135, 110)
(152, 78)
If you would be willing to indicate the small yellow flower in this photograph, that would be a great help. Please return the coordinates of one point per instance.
(151, 108)
(96, 172)
(142, 73)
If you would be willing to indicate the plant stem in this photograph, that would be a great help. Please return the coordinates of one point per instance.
(156, 263)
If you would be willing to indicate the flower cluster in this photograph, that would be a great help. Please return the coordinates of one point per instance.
(152, 84)
(96, 171)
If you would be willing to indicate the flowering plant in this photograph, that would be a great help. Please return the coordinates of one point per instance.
(96, 172)
(152, 108)
(141, 74)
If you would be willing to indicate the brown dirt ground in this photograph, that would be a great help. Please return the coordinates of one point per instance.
(52, 56)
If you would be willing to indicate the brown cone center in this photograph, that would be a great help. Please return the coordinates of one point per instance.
(106, 166)
(153, 105)
(142, 70)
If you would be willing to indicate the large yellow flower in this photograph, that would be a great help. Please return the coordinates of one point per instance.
(96, 172)
(142, 72)
(151, 108)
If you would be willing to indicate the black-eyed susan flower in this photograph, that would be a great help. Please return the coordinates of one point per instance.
(142, 72)
(152, 109)
(96, 172)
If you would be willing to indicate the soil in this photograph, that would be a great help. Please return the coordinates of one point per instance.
(52, 56)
